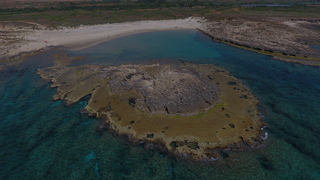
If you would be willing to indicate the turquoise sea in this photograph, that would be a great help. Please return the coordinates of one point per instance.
(45, 139)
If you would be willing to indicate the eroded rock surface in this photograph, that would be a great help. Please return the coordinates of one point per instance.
(163, 89)
(285, 38)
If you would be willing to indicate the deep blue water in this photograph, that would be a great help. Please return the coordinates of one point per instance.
(44, 139)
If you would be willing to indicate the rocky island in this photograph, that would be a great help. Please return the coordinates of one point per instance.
(187, 109)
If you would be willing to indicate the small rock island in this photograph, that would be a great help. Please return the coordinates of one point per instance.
(190, 110)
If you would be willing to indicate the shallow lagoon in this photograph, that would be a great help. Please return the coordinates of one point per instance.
(44, 139)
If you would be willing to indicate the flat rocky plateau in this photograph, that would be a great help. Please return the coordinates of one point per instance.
(285, 38)
(186, 109)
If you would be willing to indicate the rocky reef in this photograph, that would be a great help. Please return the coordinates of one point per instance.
(187, 109)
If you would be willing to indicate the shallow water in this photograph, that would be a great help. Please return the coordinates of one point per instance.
(315, 46)
(44, 139)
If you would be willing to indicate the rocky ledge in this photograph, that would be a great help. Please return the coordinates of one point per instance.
(186, 109)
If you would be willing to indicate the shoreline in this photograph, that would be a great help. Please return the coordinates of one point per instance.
(284, 39)
(276, 56)
(87, 36)
(75, 47)
(83, 37)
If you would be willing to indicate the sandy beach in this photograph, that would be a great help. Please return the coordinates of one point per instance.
(86, 36)
(25, 37)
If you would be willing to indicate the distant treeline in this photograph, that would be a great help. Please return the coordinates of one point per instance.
(119, 5)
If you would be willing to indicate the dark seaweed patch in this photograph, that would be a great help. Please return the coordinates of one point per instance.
(132, 101)
(243, 96)
(150, 135)
(265, 163)
(231, 83)
(224, 155)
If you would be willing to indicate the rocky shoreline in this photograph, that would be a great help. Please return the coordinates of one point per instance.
(188, 110)
(212, 155)
(286, 39)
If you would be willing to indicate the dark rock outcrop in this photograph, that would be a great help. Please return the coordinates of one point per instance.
(165, 90)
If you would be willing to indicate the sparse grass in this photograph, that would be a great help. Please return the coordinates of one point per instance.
(200, 115)
(10, 60)
(75, 17)
(293, 11)
(176, 116)
(218, 106)
(78, 72)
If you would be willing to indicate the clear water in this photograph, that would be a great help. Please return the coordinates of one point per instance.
(315, 46)
(44, 139)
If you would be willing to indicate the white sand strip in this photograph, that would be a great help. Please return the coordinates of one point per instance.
(86, 36)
